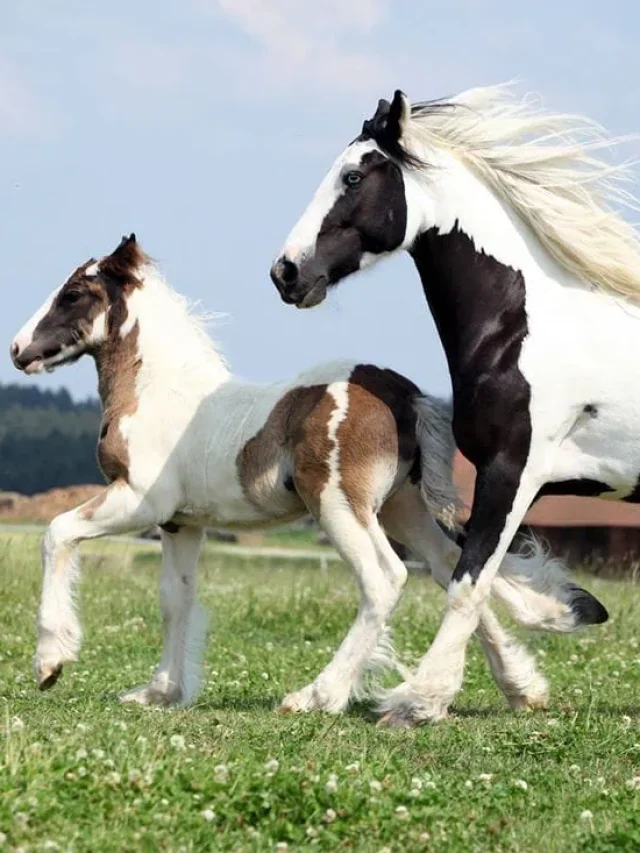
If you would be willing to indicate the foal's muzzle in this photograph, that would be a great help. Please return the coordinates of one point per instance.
(295, 289)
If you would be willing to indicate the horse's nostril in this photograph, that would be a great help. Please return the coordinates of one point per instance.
(15, 349)
(289, 272)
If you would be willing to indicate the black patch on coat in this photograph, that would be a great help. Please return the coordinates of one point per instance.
(398, 394)
(370, 217)
(583, 488)
(478, 305)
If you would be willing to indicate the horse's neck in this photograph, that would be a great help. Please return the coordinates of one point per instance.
(477, 264)
(158, 347)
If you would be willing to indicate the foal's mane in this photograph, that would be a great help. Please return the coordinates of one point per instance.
(549, 168)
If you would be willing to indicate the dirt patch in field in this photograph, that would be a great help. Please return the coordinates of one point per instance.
(15, 507)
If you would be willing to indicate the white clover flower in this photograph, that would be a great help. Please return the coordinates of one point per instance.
(520, 783)
(485, 777)
(17, 724)
(586, 815)
(271, 765)
(468, 784)
(332, 784)
(82, 771)
(374, 785)
(311, 832)
(177, 741)
(626, 720)
(402, 813)
(82, 727)
(98, 753)
(81, 754)
(329, 816)
(141, 739)
(282, 846)
(50, 845)
(208, 815)
(416, 783)
(424, 836)
(221, 772)
(120, 724)
(634, 783)
(265, 676)
(113, 778)
(575, 768)
(353, 768)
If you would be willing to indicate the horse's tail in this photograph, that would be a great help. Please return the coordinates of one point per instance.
(533, 584)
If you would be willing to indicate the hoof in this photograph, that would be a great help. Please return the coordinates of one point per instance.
(529, 703)
(148, 695)
(586, 607)
(312, 698)
(47, 675)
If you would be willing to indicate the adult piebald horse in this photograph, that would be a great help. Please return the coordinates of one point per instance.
(533, 279)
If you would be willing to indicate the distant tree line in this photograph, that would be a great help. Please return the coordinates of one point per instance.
(46, 440)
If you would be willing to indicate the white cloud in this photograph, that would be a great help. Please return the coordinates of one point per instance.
(304, 46)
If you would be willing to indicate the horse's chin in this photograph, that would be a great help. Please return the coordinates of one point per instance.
(314, 296)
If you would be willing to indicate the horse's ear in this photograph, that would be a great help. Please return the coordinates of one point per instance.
(122, 263)
(399, 115)
(127, 249)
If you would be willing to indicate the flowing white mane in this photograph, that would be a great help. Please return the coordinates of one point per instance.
(176, 329)
(548, 167)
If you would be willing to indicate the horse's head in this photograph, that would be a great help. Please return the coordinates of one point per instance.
(80, 316)
(358, 214)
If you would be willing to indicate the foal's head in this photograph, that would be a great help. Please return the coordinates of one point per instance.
(89, 308)
(359, 212)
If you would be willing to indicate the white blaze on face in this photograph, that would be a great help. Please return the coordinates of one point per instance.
(25, 335)
(301, 241)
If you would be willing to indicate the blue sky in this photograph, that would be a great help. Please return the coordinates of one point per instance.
(205, 126)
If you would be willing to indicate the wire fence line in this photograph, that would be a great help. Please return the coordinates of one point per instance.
(323, 557)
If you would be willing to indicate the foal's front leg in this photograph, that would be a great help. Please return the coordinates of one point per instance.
(177, 678)
(115, 510)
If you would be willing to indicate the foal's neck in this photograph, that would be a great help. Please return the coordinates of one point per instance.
(158, 345)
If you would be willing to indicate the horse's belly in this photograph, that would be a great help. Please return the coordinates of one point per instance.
(604, 446)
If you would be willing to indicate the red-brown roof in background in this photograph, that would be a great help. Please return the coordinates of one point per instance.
(553, 511)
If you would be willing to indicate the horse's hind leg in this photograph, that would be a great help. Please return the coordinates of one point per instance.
(177, 677)
(407, 520)
(381, 576)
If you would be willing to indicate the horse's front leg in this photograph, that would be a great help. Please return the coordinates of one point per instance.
(177, 677)
(115, 510)
(502, 498)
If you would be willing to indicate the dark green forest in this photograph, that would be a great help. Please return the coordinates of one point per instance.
(46, 440)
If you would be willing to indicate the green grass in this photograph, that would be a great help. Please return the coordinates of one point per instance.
(82, 772)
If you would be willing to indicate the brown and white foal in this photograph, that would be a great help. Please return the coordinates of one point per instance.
(186, 445)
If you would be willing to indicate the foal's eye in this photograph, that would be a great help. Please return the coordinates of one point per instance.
(352, 179)
(70, 296)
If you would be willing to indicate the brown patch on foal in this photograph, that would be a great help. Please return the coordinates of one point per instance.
(379, 428)
(295, 431)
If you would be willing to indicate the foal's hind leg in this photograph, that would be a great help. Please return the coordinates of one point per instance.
(177, 678)
(381, 577)
(407, 520)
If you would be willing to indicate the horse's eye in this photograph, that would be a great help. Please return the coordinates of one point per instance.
(70, 296)
(352, 179)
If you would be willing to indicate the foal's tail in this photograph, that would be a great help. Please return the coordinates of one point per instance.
(533, 584)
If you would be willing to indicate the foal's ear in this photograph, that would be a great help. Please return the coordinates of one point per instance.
(122, 263)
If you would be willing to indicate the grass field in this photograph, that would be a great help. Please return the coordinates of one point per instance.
(80, 772)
